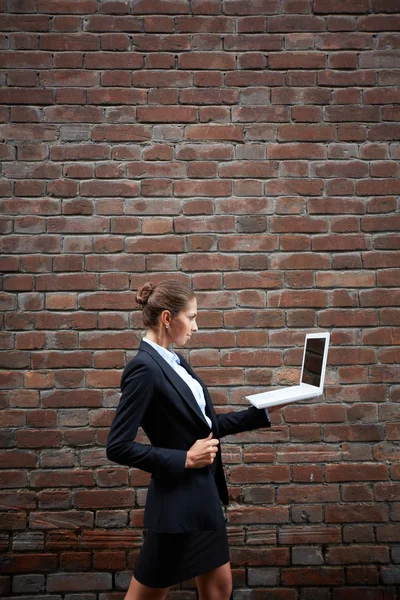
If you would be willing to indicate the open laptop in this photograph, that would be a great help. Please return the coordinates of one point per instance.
(312, 376)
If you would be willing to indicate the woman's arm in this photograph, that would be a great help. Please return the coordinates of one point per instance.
(243, 420)
(137, 391)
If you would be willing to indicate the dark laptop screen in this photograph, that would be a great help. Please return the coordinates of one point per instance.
(313, 361)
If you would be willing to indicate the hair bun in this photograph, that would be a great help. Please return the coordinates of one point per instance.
(143, 293)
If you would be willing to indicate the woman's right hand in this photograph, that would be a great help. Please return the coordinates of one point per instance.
(202, 453)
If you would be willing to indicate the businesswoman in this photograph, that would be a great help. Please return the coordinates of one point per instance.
(186, 532)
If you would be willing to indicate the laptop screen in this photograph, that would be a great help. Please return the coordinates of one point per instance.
(313, 361)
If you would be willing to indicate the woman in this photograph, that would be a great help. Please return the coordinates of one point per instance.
(186, 531)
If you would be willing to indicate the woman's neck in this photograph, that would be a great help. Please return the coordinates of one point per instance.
(159, 338)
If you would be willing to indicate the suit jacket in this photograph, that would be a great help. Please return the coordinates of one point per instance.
(156, 397)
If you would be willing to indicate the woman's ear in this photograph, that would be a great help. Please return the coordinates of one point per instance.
(166, 318)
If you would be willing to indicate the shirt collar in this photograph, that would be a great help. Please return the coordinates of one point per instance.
(169, 355)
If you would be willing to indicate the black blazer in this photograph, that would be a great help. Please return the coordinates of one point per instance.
(156, 397)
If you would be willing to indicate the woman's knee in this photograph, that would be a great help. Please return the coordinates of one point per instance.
(218, 592)
(224, 585)
(216, 584)
(226, 588)
(139, 591)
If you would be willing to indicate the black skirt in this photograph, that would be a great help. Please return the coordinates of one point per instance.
(166, 559)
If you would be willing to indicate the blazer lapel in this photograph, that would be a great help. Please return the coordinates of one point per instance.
(209, 405)
(177, 381)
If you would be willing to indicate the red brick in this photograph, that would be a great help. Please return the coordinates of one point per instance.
(203, 188)
(109, 23)
(388, 533)
(112, 477)
(158, 152)
(65, 282)
(205, 24)
(103, 498)
(258, 7)
(308, 473)
(24, 500)
(248, 474)
(307, 493)
(204, 60)
(202, 169)
(157, 244)
(29, 563)
(61, 6)
(214, 132)
(357, 514)
(314, 534)
(356, 432)
(346, 279)
(75, 561)
(249, 169)
(251, 358)
(384, 373)
(159, 23)
(298, 298)
(17, 458)
(71, 398)
(79, 152)
(118, 133)
(213, 151)
(386, 492)
(114, 539)
(323, 6)
(356, 472)
(357, 493)
(115, 560)
(207, 281)
(12, 521)
(42, 418)
(66, 519)
(168, 79)
(321, 576)
(103, 379)
(35, 439)
(62, 478)
(13, 479)
(200, 224)
(170, 114)
(71, 582)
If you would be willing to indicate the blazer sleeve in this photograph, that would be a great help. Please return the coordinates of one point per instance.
(137, 391)
(243, 420)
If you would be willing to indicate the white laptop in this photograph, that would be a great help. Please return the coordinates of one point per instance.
(312, 376)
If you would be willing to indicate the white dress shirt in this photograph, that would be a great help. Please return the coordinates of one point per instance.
(173, 360)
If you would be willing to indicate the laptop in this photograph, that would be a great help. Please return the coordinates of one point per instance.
(312, 376)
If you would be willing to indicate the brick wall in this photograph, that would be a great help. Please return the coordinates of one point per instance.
(246, 147)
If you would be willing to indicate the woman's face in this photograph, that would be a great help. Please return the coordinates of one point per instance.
(182, 326)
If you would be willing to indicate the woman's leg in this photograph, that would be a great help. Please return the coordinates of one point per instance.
(215, 584)
(138, 591)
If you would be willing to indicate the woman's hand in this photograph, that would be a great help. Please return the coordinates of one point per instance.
(202, 453)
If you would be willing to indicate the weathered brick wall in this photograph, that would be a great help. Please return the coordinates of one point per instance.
(247, 147)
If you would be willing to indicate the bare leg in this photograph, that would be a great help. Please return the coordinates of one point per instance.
(138, 591)
(215, 584)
